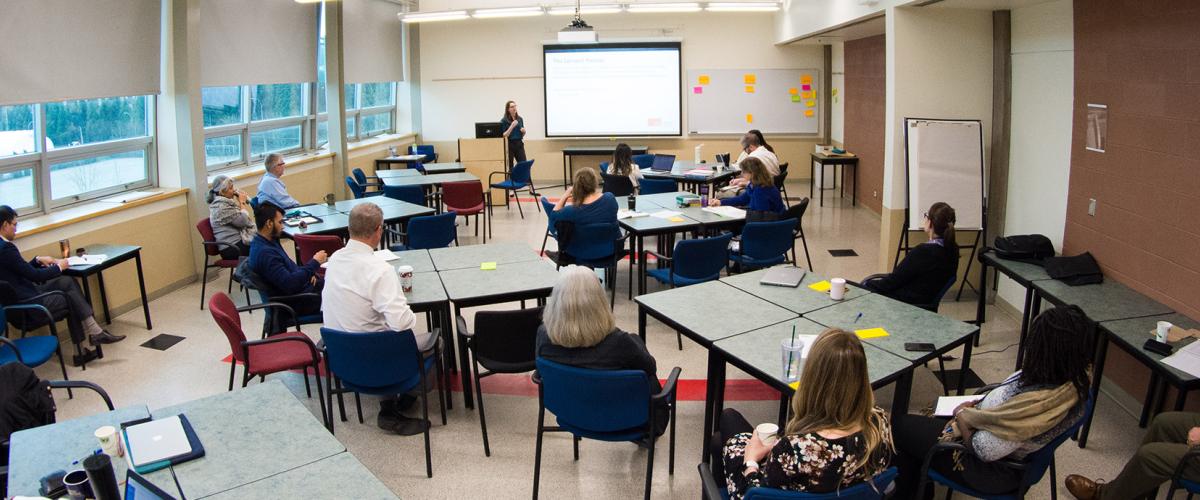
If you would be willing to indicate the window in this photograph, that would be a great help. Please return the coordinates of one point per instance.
(275, 141)
(378, 94)
(222, 150)
(58, 153)
(376, 123)
(221, 105)
(244, 123)
(276, 101)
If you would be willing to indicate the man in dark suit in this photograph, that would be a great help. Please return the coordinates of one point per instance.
(44, 274)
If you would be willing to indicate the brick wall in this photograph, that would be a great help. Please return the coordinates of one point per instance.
(865, 119)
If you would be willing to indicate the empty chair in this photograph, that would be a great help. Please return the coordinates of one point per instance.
(309, 244)
(467, 198)
(212, 248)
(618, 185)
(797, 212)
(643, 161)
(369, 183)
(693, 261)
(649, 185)
(429, 231)
(359, 190)
(764, 244)
(424, 149)
(780, 179)
(503, 342)
(551, 232)
(605, 405)
(411, 194)
(32, 351)
(516, 180)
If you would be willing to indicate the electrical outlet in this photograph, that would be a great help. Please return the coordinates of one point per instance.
(1092, 207)
(874, 194)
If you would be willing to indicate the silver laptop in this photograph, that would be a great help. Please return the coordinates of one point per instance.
(157, 440)
(783, 276)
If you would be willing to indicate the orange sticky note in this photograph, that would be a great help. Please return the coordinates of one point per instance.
(808, 113)
(749, 79)
(749, 89)
(749, 118)
(871, 333)
(703, 80)
(697, 90)
(807, 95)
(792, 91)
(806, 79)
(809, 104)
(806, 87)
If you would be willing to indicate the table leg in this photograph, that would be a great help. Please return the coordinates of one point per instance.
(812, 178)
(966, 364)
(464, 371)
(1148, 402)
(710, 400)
(783, 410)
(1028, 306)
(902, 392)
(821, 194)
(641, 250)
(854, 193)
(981, 304)
(1180, 398)
(87, 289)
(1097, 375)
(443, 321)
(137, 259)
(103, 297)
(642, 323)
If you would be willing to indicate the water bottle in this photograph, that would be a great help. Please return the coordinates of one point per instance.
(698, 154)
(632, 202)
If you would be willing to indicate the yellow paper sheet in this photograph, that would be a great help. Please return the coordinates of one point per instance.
(820, 286)
(703, 80)
(487, 266)
(871, 333)
(749, 79)
(805, 78)
(749, 89)
(808, 113)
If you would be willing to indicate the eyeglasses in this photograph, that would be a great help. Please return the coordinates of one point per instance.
(925, 215)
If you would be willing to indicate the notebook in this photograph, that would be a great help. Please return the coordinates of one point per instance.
(663, 163)
(783, 276)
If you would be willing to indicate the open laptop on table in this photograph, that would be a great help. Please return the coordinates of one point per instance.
(663, 163)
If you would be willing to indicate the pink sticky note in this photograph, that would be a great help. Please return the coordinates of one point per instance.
(806, 87)
(697, 90)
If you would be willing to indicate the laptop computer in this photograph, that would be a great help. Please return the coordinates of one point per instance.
(663, 163)
(138, 488)
(783, 276)
(157, 440)
(485, 130)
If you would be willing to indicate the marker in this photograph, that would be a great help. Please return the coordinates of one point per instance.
(856, 318)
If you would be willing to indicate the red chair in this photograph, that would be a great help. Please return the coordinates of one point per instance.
(280, 352)
(309, 244)
(467, 198)
(212, 248)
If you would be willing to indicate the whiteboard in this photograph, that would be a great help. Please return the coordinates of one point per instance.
(720, 101)
(944, 162)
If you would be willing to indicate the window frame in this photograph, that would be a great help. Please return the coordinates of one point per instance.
(246, 127)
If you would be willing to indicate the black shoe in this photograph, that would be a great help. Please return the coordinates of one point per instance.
(408, 426)
(106, 337)
(552, 255)
(405, 402)
(85, 357)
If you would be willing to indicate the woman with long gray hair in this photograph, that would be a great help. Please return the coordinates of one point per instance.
(229, 213)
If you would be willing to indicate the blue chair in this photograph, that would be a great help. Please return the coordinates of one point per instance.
(1177, 480)
(418, 166)
(649, 185)
(365, 181)
(411, 194)
(605, 405)
(872, 490)
(1032, 468)
(600, 245)
(764, 244)
(429, 231)
(254, 203)
(359, 190)
(643, 161)
(381, 364)
(32, 351)
(693, 261)
(29, 314)
(551, 232)
(424, 149)
(515, 180)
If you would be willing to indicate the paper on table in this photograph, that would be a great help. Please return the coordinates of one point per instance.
(731, 212)
(1186, 359)
(87, 260)
(946, 404)
(386, 255)
(821, 286)
(630, 214)
(665, 214)
(487, 266)
(870, 333)
(677, 219)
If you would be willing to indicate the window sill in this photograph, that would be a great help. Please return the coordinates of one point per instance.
(92, 210)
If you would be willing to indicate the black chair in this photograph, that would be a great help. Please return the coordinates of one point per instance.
(618, 185)
(1178, 481)
(779, 181)
(503, 342)
(29, 314)
(797, 212)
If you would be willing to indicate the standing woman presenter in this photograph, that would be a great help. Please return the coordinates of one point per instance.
(514, 129)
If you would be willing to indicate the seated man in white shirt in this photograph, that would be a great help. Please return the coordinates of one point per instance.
(362, 294)
(753, 146)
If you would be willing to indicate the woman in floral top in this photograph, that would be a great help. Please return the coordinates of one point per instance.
(836, 436)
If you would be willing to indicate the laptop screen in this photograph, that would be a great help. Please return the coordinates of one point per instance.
(663, 163)
(138, 488)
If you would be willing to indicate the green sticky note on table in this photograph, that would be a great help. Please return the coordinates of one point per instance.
(487, 266)
(820, 286)
(871, 333)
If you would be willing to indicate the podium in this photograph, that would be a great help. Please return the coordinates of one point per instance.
(483, 156)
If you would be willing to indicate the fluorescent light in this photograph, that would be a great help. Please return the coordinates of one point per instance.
(569, 10)
(421, 17)
(742, 7)
(664, 7)
(507, 12)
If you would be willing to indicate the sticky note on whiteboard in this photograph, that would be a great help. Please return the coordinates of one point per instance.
(697, 90)
(793, 91)
(749, 89)
(805, 78)
(808, 113)
(749, 79)
(703, 80)
(806, 87)
(807, 95)
(809, 104)
(749, 118)
(795, 98)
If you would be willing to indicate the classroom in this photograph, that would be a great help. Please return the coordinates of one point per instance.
(222, 222)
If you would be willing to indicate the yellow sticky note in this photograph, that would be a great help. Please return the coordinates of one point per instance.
(487, 266)
(820, 286)
(795, 98)
(749, 89)
(749, 79)
(795, 385)
(793, 91)
(676, 219)
(810, 103)
(833, 91)
(806, 79)
(807, 95)
(808, 113)
(871, 333)
(703, 80)
(749, 118)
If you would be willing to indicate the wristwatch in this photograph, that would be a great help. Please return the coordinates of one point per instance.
(750, 464)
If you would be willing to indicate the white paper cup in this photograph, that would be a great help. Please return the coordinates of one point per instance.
(1160, 333)
(837, 288)
(767, 433)
(406, 277)
(109, 441)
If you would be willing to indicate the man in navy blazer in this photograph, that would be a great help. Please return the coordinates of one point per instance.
(279, 273)
(44, 274)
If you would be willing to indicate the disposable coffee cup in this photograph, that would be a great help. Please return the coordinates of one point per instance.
(793, 353)
(330, 199)
(109, 441)
(1160, 333)
(837, 288)
(406, 277)
(78, 487)
(768, 433)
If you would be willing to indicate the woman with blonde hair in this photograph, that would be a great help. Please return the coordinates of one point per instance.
(583, 203)
(578, 329)
(835, 438)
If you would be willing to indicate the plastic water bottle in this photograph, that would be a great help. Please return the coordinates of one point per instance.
(698, 156)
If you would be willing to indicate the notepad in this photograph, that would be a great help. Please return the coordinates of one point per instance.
(487, 266)
(731, 212)
(820, 286)
(630, 214)
(385, 255)
(665, 214)
(87, 260)
(946, 404)
(871, 333)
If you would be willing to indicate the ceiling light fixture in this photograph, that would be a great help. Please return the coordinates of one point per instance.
(422, 17)
(507, 12)
(664, 7)
(742, 7)
(568, 10)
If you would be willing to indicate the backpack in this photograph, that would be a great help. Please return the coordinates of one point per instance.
(1077, 270)
(25, 400)
(1029, 247)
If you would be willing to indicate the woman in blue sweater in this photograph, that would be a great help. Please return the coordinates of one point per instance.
(583, 203)
(761, 199)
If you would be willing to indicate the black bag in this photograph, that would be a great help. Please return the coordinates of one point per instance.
(1078, 270)
(1027, 247)
(25, 400)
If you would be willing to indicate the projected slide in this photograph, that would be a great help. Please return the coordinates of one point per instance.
(625, 89)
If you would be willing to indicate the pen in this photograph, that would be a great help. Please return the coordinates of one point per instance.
(856, 318)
